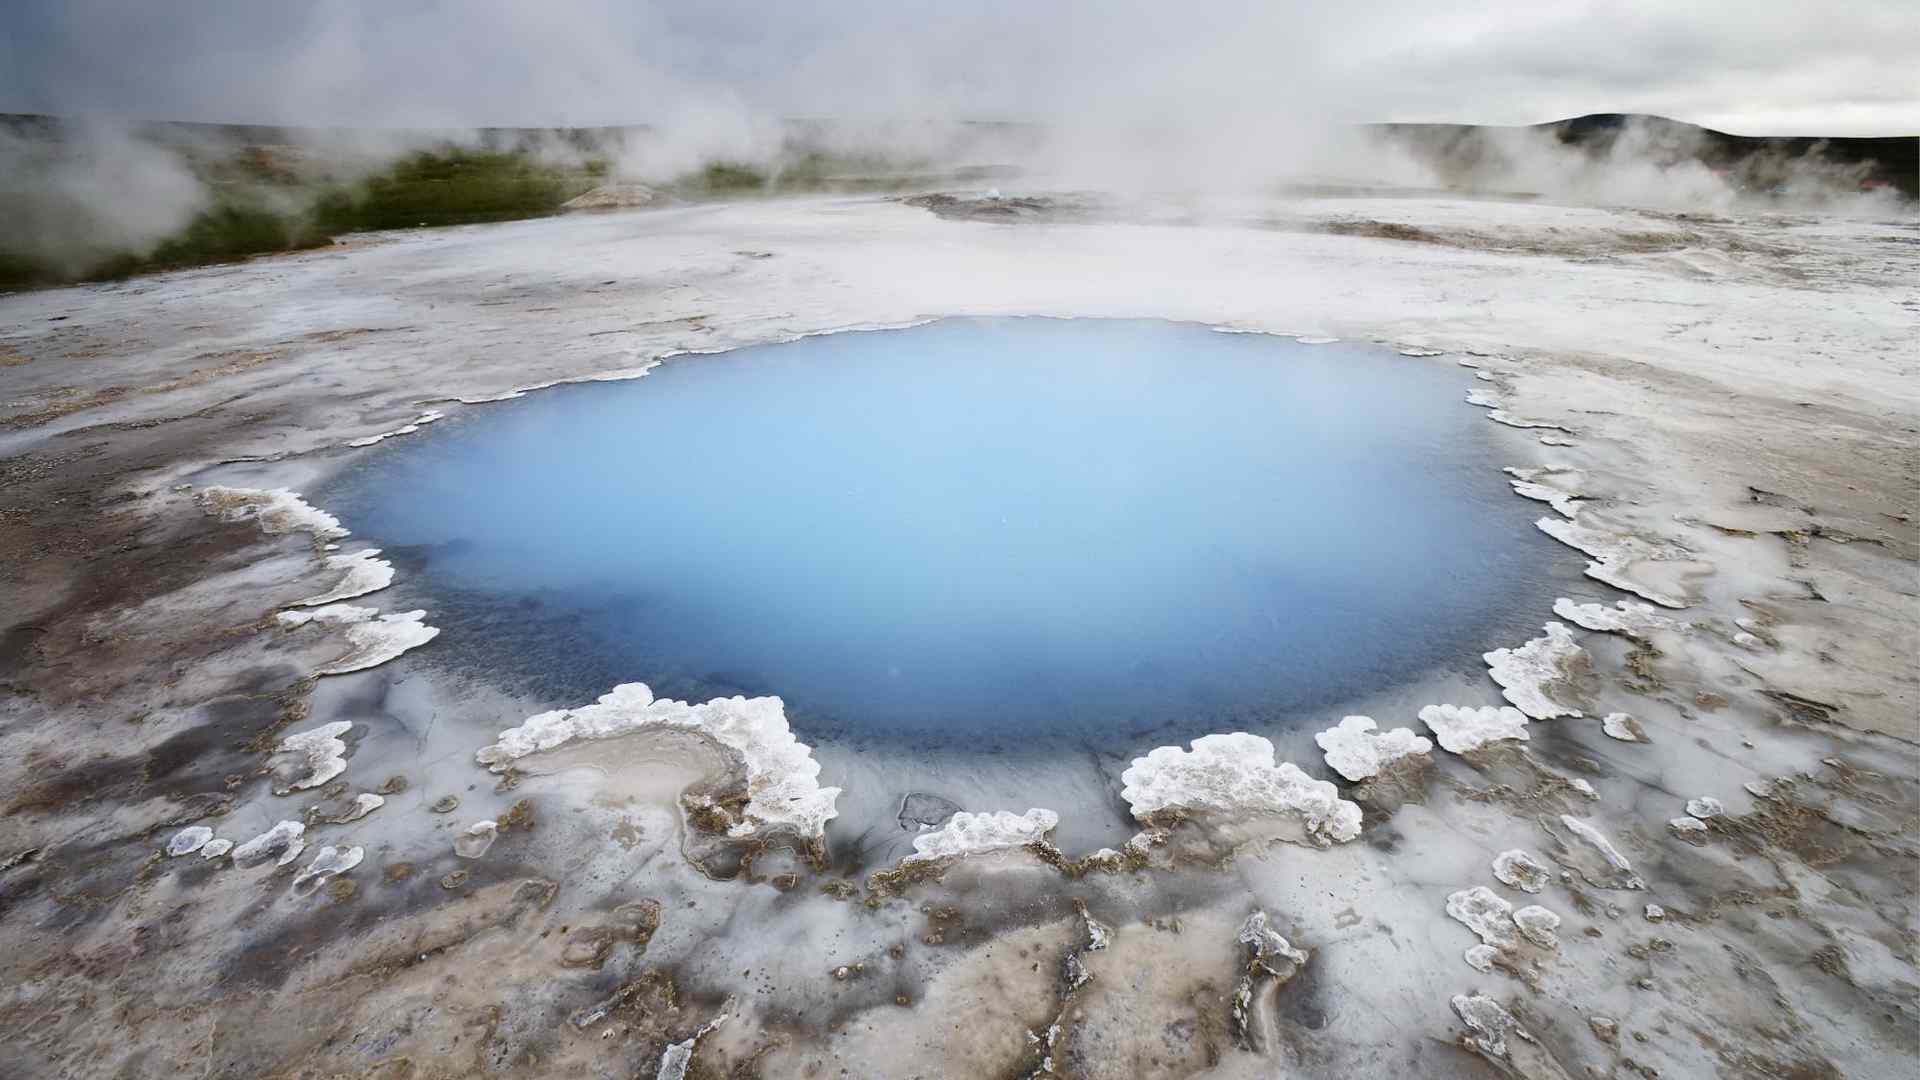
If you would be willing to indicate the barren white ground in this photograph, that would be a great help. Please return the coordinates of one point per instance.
(1726, 405)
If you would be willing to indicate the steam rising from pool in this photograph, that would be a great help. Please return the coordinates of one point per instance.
(973, 533)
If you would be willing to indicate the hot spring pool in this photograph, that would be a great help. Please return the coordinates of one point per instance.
(974, 533)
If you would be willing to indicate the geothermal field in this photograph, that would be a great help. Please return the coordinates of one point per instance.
(1451, 611)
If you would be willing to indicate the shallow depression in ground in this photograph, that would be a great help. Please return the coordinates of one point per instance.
(975, 534)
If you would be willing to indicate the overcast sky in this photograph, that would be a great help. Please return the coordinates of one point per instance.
(1748, 66)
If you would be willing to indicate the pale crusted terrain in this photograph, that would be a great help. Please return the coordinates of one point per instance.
(1732, 402)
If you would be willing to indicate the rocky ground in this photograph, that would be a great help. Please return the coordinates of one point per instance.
(1713, 805)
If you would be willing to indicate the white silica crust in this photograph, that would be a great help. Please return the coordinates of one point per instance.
(1688, 825)
(1704, 807)
(1627, 617)
(1355, 750)
(285, 837)
(1461, 728)
(360, 574)
(427, 417)
(320, 751)
(374, 638)
(189, 840)
(783, 785)
(1601, 844)
(1266, 943)
(1537, 925)
(1488, 399)
(1615, 554)
(1522, 871)
(970, 834)
(473, 841)
(378, 640)
(329, 862)
(337, 614)
(1484, 912)
(1488, 1021)
(1527, 484)
(363, 804)
(215, 848)
(1621, 726)
(276, 511)
(1234, 775)
(1525, 673)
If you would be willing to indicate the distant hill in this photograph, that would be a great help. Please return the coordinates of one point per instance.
(84, 202)
(1465, 152)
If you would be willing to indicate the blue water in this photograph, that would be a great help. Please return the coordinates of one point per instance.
(973, 534)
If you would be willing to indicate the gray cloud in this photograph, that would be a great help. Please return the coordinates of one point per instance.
(1759, 66)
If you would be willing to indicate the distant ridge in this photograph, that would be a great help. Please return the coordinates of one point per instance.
(1463, 149)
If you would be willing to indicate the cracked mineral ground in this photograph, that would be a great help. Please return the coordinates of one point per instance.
(346, 728)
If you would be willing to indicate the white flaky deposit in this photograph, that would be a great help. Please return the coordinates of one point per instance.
(1632, 619)
(1521, 870)
(783, 785)
(475, 839)
(276, 511)
(314, 756)
(189, 840)
(215, 848)
(1484, 912)
(1529, 484)
(1614, 555)
(1526, 673)
(286, 838)
(360, 574)
(424, 418)
(1621, 726)
(1356, 750)
(1488, 1021)
(374, 638)
(377, 641)
(1537, 925)
(1489, 400)
(972, 834)
(1704, 807)
(332, 614)
(1234, 775)
(1462, 728)
(676, 1059)
(1688, 825)
(1604, 846)
(1266, 946)
(363, 804)
(329, 862)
